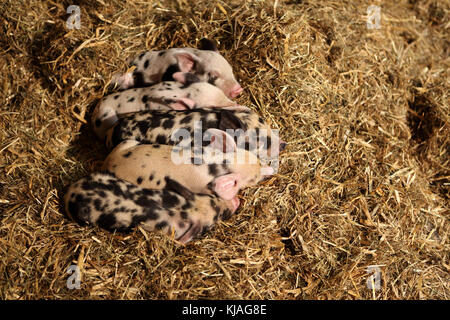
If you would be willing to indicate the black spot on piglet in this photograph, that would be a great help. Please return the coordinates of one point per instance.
(167, 76)
(138, 79)
(190, 78)
(161, 139)
(78, 212)
(160, 225)
(168, 124)
(228, 120)
(169, 200)
(143, 127)
(212, 169)
(226, 214)
(106, 221)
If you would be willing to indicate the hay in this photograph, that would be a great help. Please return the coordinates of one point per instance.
(364, 181)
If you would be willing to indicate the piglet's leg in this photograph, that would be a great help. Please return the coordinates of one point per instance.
(124, 81)
(238, 108)
(125, 145)
(191, 233)
(226, 186)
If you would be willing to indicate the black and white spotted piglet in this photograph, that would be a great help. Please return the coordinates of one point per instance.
(206, 63)
(162, 127)
(117, 205)
(185, 93)
(219, 168)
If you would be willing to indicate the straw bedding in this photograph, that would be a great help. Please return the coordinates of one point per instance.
(363, 182)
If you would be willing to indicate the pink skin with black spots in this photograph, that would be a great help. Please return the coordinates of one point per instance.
(161, 128)
(114, 204)
(206, 63)
(220, 170)
(185, 93)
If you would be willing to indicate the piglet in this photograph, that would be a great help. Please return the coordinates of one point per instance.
(206, 63)
(251, 131)
(222, 169)
(187, 93)
(114, 204)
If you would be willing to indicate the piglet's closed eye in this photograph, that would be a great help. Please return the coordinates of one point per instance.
(226, 186)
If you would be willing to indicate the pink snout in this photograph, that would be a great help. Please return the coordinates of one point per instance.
(235, 90)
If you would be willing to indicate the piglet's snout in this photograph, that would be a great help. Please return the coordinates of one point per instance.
(235, 90)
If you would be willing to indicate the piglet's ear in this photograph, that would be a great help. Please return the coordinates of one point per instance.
(207, 44)
(228, 120)
(179, 188)
(220, 140)
(186, 61)
(226, 186)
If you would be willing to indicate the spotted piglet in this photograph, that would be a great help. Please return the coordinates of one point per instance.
(164, 127)
(222, 168)
(206, 63)
(114, 204)
(185, 93)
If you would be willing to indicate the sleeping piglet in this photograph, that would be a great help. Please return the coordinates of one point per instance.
(117, 205)
(207, 63)
(219, 170)
(187, 93)
(162, 127)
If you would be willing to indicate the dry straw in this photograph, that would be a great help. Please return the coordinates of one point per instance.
(364, 180)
